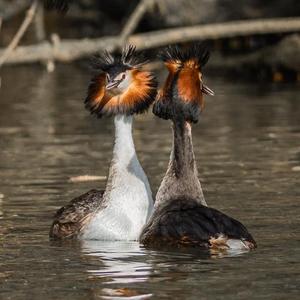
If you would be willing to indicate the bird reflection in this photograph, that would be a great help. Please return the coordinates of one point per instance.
(126, 262)
(123, 262)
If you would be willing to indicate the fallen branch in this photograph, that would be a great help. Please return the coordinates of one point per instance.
(63, 51)
(24, 26)
(68, 50)
(215, 31)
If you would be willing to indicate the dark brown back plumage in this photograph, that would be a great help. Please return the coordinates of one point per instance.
(181, 217)
(183, 222)
(71, 219)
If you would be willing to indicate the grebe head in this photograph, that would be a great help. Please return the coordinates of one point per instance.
(182, 93)
(120, 85)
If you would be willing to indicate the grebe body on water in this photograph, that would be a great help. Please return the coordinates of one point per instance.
(181, 217)
(120, 89)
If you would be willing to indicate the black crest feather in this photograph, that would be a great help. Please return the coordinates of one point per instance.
(103, 61)
(60, 5)
(179, 54)
(128, 59)
(132, 58)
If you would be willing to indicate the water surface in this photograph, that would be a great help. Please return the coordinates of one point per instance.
(248, 152)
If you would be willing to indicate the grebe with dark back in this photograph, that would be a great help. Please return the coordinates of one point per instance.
(181, 217)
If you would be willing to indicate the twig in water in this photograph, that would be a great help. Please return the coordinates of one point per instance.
(85, 178)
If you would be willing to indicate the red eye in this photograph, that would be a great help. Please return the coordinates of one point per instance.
(123, 76)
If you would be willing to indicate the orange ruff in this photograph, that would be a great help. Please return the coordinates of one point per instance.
(188, 81)
(189, 85)
(167, 86)
(97, 90)
(137, 94)
(192, 64)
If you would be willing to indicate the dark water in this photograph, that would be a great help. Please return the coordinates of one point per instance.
(248, 150)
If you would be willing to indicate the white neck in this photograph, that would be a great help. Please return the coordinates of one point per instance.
(127, 198)
(126, 175)
(124, 150)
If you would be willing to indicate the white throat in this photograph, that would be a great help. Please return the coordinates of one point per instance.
(124, 150)
(127, 198)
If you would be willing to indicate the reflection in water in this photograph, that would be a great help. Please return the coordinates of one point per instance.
(125, 264)
(247, 149)
(119, 261)
(122, 263)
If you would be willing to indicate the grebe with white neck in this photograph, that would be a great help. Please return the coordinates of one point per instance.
(122, 89)
(181, 217)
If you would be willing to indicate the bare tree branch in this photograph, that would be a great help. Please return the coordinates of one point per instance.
(67, 50)
(24, 26)
(0, 32)
(64, 50)
(39, 23)
(135, 18)
(215, 31)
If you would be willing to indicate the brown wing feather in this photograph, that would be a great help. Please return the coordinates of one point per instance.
(70, 219)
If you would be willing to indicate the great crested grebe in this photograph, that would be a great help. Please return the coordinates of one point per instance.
(181, 217)
(122, 89)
